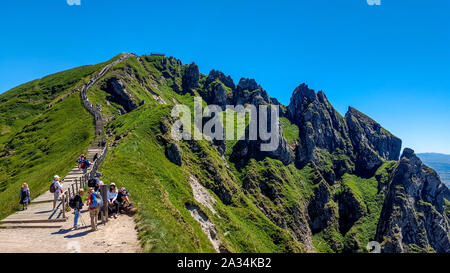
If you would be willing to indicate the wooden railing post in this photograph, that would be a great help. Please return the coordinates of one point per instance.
(103, 192)
(63, 206)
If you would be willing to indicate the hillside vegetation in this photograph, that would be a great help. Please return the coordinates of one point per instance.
(333, 184)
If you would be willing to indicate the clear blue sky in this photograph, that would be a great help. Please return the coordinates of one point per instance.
(392, 61)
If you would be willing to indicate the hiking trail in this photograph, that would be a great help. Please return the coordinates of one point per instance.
(41, 229)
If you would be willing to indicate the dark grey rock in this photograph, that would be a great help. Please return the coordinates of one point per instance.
(414, 214)
(173, 153)
(372, 143)
(191, 77)
(322, 131)
(119, 94)
(226, 80)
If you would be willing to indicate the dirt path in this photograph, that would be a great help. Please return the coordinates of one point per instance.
(117, 236)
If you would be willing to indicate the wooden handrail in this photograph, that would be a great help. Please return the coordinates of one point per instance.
(83, 180)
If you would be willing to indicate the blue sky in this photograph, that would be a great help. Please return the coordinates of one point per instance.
(391, 61)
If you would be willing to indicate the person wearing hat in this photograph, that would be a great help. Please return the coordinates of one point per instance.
(113, 204)
(124, 201)
(58, 189)
(98, 183)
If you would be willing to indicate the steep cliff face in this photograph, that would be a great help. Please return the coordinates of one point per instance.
(190, 78)
(248, 91)
(332, 184)
(415, 211)
(119, 94)
(324, 136)
(372, 143)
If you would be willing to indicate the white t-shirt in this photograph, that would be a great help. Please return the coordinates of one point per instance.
(58, 186)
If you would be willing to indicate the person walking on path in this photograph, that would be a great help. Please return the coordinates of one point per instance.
(84, 164)
(93, 208)
(78, 206)
(24, 196)
(58, 186)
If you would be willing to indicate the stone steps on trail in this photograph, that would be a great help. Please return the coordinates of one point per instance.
(40, 212)
(31, 225)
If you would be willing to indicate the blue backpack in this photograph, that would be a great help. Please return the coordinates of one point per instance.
(97, 200)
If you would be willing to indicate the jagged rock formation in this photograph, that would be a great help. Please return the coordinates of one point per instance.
(190, 78)
(174, 153)
(218, 75)
(248, 91)
(414, 211)
(322, 131)
(372, 143)
(332, 184)
(246, 149)
(119, 94)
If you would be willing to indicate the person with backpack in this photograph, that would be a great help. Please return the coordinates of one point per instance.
(81, 158)
(76, 203)
(24, 196)
(84, 164)
(95, 182)
(113, 204)
(94, 202)
(56, 188)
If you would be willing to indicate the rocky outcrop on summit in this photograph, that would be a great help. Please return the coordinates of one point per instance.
(190, 78)
(248, 91)
(371, 142)
(414, 217)
(322, 130)
(217, 75)
(217, 94)
(246, 149)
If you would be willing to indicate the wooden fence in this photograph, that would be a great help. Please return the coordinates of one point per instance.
(81, 182)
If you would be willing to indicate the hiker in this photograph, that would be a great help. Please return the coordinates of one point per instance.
(24, 196)
(93, 203)
(84, 164)
(81, 158)
(113, 204)
(95, 157)
(122, 198)
(77, 206)
(95, 182)
(57, 186)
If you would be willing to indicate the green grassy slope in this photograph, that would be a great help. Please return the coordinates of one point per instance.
(49, 144)
(37, 142)
(42, 131)
(161, 189)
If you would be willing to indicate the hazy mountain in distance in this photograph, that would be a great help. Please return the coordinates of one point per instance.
(439, 162)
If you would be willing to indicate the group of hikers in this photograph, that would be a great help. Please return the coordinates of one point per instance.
(117, 199)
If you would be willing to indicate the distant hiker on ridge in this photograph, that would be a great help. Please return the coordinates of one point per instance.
(24, 196)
